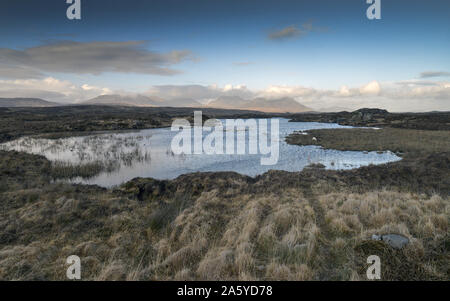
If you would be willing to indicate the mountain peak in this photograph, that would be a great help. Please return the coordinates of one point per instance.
(279, 105)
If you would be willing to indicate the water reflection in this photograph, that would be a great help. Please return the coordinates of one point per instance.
(147, 153)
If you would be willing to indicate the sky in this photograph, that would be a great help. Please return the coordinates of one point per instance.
(325, 54)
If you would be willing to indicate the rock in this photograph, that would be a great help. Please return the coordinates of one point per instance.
(376, 237)
(396, 241)
(365, 115)
(371, 111)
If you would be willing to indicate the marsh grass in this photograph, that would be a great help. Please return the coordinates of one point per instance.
(87, 156)
(406, 142)
(65, 170)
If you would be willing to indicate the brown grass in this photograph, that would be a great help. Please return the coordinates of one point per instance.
(221, 232)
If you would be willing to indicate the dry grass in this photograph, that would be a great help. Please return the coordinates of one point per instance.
(245, 238)
(213, 236)
(218, 234)
(354, 218)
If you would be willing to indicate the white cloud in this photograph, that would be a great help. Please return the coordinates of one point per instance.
(278, 91)
(50, 89)
(344, 91)
(402, 96)
(371, 88)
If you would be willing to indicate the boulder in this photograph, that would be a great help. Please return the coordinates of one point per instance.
(396, 241)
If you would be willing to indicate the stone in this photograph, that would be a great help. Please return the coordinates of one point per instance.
(396, 241)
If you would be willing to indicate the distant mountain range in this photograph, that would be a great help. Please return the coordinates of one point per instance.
(141, 101)
(26, 102)
(280, 105)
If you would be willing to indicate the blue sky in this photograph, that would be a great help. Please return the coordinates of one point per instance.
(228, 42)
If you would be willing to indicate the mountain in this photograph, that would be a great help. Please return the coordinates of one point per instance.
(181, 102)
(228, 102)
(26, 102)
(141, 101)
(120, 100)
(280, 105)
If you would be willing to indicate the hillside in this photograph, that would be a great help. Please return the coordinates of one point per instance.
(280, 105)
(121, 100)
(26, 102)
(141, 101)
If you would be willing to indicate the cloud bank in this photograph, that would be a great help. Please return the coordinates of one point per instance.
(88, 58)
(410, 95)
(50, 89)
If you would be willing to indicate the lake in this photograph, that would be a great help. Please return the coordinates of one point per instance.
(147, 153)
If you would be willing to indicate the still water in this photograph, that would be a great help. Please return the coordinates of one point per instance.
(147, 153)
